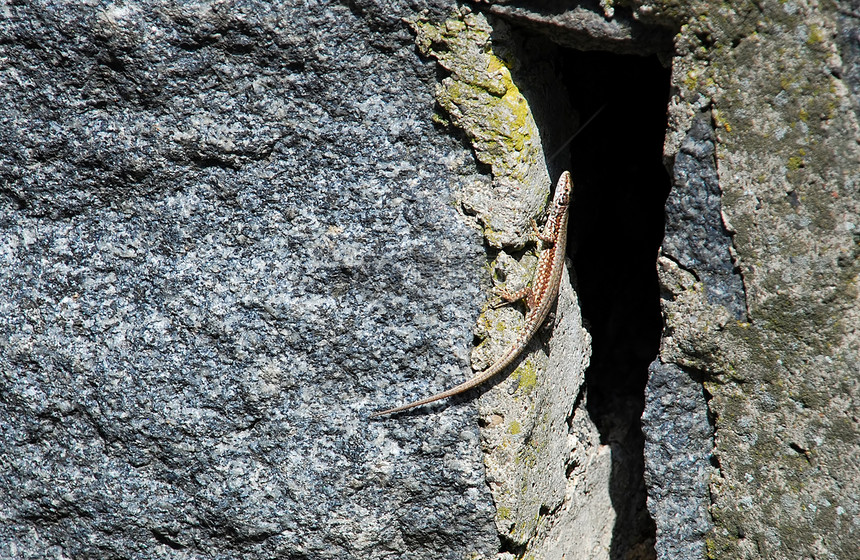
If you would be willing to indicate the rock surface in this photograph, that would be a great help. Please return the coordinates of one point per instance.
(228, 235)
(679, 438)
(781, 377)
(231, 230)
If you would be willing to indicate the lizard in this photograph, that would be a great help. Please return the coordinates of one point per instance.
(539, 297)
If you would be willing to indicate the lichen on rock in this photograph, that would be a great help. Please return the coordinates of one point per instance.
(524, 439)
(480, 97)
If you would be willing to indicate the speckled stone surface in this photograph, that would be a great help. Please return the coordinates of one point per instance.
(678, 437)
(695, 236)
(218, 254)
(782, 379)
(848, 18)
(587, 24)
(678, 446)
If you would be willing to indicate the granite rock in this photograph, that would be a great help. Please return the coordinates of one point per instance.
(228, 234)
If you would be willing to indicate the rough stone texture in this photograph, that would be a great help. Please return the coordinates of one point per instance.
(534, 467)
(783, 382)
(480, 97)
(586, 25)
(679, 439)
(228, 233)
(678, 445)
(543, 454)
(695, 236)
(848, 18)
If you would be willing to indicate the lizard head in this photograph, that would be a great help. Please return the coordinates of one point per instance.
(562, 190)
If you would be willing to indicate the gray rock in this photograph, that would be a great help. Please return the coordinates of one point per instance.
(587, 25)
(781, 377)
(229, 231)
(678, 444)
(219, 255)
(848, 19)
(678, 437)
(695, 235)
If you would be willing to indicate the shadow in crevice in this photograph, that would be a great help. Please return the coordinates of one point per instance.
(616, 227)
(617, 222)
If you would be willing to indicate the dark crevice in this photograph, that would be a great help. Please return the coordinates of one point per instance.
(164, 539)
(509, 546)
(801, 451)
(617, 222)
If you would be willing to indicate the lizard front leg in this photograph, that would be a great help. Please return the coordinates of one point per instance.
(546, 238)
(511, 297)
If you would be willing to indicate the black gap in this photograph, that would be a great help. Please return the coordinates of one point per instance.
(617, 221)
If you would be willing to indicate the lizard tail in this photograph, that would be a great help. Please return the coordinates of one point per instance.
(462, 387)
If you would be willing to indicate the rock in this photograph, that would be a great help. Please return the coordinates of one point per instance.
(232, 230)
(229, 235)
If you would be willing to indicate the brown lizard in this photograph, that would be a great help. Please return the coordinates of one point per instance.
(540, 296)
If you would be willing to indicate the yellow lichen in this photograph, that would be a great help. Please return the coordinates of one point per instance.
(795, 163)
(691, 80)
(526, 376)
(815, 35)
